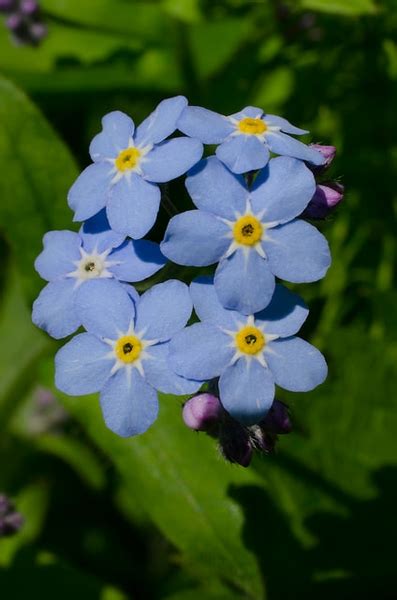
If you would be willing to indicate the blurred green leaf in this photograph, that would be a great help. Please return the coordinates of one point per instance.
(342, 7)
(31, 502)
(183, 486)
(21, 346)
(140, 19)
(185, 10)
(38, 170)
(209, 56)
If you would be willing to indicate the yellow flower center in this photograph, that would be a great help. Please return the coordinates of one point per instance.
(250, 340)
(128, 348)
(247, 230)
(252, 126)
(128, 159)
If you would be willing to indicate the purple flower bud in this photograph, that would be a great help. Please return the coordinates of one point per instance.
(10, 520)
(7, 5)
(235, 444)
(277, 419)
(202, 411)
(5, 505)
(28, 7)
(14, 22)
(328, 153)
(38, 31)
(326, 197)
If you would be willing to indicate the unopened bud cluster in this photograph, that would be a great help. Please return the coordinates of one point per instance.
(24, 21)
(11, 521)
(328, 194)
(237, 443)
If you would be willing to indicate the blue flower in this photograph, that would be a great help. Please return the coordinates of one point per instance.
(124, 354)
(250, 354)
(128, 164)
(247, 137)
(71, 259)
(253, 234)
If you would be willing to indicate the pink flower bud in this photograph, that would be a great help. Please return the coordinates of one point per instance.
(328, 153)
(326, 197)
(202, 411)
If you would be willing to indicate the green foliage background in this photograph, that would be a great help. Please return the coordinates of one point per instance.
(162, 516)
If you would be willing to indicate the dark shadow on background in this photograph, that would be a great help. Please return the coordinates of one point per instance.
(355, 556)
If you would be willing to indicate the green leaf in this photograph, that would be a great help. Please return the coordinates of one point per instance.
(341, 7)
(134, 18)
(209, 55)
(38, 170)
(184, 487)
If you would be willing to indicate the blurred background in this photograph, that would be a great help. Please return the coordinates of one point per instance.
(162, 516)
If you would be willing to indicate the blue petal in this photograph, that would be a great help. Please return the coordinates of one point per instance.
(283, 189)
(54, 309)
(133, 206)
(164, 310)
(89, 193)
(249, 111)
(131, 291)
(161, 122)
(159, 374)
(129, 406)
(297, 252)
(171, 159)
(137, 260)
(200, 352)
(207, 306)
(246, 391)
(117, 130)
(207, 126)
(104, 307)
(243, 153)
(61, 249)
(97, 235)
(215, 189)
(285, 314)
(195, 238)
(244, 282)
(280, 143)
(82, 366)
(283, 124)
(296, 365)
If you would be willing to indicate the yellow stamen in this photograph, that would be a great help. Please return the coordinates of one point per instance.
(128, 159)
(247, 230)
(250, 340)
(128, 348)
(252, 126)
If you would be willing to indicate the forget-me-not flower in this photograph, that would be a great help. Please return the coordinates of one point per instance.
(71, 259)
(246, 138)
(128, 164)
(124, 354)
(250, 354)
(253, 234)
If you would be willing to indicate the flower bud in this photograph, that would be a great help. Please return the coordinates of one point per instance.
(277, 419)
(326, 198)
(328, 153)
(37, 31)
(235, 443)
(7, 5)
(10, 520)
(28, 7)
(14, 22)
(5, 505)
(202, 411)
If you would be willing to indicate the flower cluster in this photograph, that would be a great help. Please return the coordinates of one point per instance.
(250, 221)
(24, 20)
